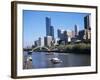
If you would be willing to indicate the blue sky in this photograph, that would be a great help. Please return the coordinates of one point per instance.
(34, 24)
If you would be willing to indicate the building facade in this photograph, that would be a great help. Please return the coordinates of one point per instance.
(64, 36)
(87, 22)
(48, 41)
(48, 24)
(52, 31)
(76, 31)
(41, 41)
(49, 28)
(86, 33)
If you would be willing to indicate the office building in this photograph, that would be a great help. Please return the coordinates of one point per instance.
(36, 43)
(76, 31)
(48, 41)
(49, 28)
(87, 27)
(41, 41)
(81, 35)
(64, 36)
(48, 25)
(86, 33)
(73, 34)
(52, 31)
(87, 22)
(59, 33)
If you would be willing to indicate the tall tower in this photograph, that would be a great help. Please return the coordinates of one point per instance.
(59, 33)
(52, 31)
(76, 31)
(48, 25)
(87, 22)
(87, 27)
(49, 28)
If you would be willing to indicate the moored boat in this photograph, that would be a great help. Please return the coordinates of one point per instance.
(55, 60)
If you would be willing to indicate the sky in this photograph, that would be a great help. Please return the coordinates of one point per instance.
(34, 23)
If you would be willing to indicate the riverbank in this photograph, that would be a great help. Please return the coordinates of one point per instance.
(69, 48)
(75, 52)
(72, 48)
(75, 48)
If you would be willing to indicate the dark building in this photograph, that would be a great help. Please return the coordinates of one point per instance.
(48, 25)
(45, 41)
(86, 33)
(36, 43)
(52, 31)
(39, 41)
(63, 36)
(87, 22)
(87, 27)
(59, 33)
(81, 35)
(49, 28)
(76, 31)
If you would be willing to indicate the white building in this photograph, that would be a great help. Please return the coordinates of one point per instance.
(48, 41)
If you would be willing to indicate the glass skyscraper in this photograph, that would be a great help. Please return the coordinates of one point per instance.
(49, 28)
(52, 31)
(48, 24)
(87, 22)
(76, 31)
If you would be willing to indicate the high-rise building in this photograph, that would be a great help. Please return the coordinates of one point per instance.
(41, 41)
(36, 43)
(49, 28)
(76, 31)
(87, 27)
(86, 33)
(48, 41)
(73, 34)
(87, 22)
(48, 25)
(81, 35)
(64, 36)
(59, 33)
(52, 31)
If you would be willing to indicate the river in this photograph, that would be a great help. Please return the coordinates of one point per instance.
(43, 59)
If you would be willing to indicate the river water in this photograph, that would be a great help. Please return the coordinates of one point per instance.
(43, 59)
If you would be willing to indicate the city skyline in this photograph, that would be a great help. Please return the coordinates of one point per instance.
(35, 23)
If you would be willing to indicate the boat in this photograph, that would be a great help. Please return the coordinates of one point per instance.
(29, 58)
(55, 60)
(29, 52)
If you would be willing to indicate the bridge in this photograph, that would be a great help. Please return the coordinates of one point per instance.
(40, 48)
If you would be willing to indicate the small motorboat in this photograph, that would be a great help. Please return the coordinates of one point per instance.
(55, 60)
(29, 58)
